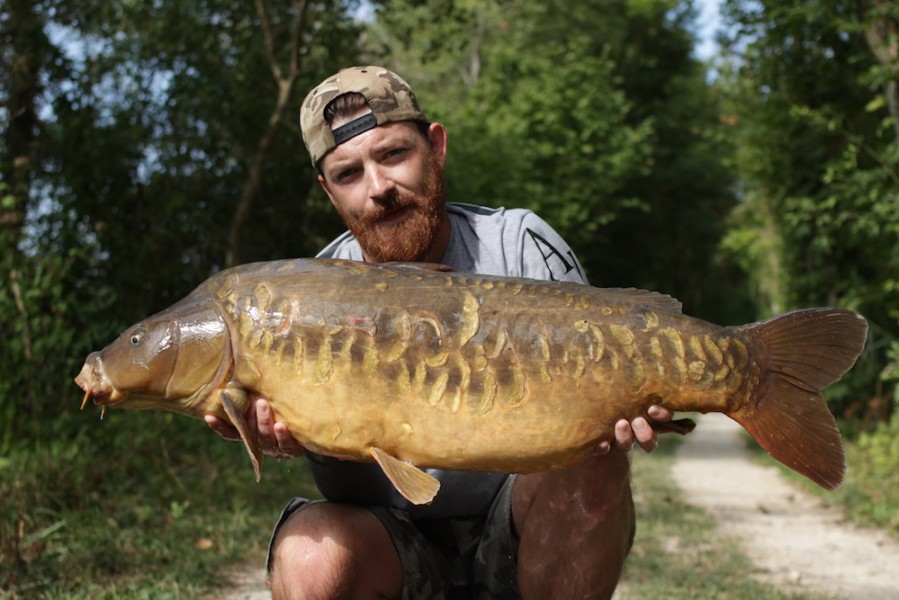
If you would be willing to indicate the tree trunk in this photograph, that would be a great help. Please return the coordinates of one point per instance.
(881, 35)
(29, 46)
(286, 80)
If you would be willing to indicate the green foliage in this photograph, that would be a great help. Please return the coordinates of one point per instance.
(871, 490)
(140, 505)
(563, 147)
(524, 95)
(756, 245)
(772, 187)
(594, 115)
(51, 322)
(151, 114)
(817, 149)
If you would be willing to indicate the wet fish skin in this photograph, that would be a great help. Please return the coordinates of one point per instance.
(410, 364)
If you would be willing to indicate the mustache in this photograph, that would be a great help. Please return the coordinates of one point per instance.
(395, 202)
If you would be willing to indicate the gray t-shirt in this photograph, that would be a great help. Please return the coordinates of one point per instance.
(489, 241)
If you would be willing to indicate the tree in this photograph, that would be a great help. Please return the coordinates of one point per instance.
(25, 53)
(594, 114)
(812, 96)
(147, 129)
(880, 21)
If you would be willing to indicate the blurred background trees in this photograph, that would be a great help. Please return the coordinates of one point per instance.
(147, 145)
(811, 90)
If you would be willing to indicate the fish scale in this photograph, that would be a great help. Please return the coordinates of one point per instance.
(413, 366)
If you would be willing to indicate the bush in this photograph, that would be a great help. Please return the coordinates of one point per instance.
(142, 501)
(871, 490)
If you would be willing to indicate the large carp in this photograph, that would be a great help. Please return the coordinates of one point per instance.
(409, 365)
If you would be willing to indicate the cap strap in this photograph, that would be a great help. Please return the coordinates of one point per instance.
(354, 128)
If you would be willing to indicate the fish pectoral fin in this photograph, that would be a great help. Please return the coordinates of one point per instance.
(232, 398)
(415, 485)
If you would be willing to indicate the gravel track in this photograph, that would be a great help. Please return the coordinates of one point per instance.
(795, 541)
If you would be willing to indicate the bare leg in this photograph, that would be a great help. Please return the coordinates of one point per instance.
(335, 551)
(575, 526)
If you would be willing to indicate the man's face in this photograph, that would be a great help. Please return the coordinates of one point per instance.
(387, 185)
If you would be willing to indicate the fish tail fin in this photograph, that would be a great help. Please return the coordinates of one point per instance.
(807, 351)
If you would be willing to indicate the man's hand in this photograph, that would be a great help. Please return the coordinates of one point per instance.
(639, 430)
(274, 437)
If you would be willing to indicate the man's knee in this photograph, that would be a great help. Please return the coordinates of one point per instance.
(334, 551)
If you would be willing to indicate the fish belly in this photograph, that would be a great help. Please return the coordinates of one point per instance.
(454, 371)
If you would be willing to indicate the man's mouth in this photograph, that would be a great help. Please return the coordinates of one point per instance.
(396, 216)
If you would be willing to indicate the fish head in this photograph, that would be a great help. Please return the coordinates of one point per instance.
(166, 362)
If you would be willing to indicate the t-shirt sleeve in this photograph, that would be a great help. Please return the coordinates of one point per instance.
(344, 246)
(544, 254)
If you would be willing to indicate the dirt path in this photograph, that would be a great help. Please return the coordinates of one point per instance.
(248, 584)
(795, 542)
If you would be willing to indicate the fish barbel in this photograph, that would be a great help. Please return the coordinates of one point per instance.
(410, 365)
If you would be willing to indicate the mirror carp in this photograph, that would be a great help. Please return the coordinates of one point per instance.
(413, 365)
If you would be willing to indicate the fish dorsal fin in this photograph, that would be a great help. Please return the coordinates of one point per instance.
(415, 485)
(230, 398)
(652, 300)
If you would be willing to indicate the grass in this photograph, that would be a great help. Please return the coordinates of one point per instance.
(144, 505)
(678, 552)
(147, 505)
(870, 493)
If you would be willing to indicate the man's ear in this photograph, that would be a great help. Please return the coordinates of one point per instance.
(438, 137)
(324, 184)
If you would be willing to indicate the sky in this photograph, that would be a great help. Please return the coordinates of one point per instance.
(708, 23)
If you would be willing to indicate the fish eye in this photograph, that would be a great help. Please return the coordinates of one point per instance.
(136, 337)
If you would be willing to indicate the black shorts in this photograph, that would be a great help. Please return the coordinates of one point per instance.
(447, 558)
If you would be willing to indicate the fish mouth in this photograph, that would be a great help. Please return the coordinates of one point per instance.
(102, 398)
(96, 386)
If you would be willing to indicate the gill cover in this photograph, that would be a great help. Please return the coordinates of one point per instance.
(204, 352)
(142, 359)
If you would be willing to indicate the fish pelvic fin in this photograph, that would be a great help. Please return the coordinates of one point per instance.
(415, 485)
(234, 401)
(807, 351)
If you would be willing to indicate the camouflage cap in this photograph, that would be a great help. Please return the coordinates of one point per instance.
(389, 97)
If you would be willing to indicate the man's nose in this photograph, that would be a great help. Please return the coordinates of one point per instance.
(380, 185)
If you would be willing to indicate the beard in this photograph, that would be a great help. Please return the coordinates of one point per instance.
(411, 238)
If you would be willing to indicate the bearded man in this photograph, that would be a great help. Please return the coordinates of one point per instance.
(560, 534)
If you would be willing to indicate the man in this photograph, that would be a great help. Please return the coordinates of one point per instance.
(560, 534)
